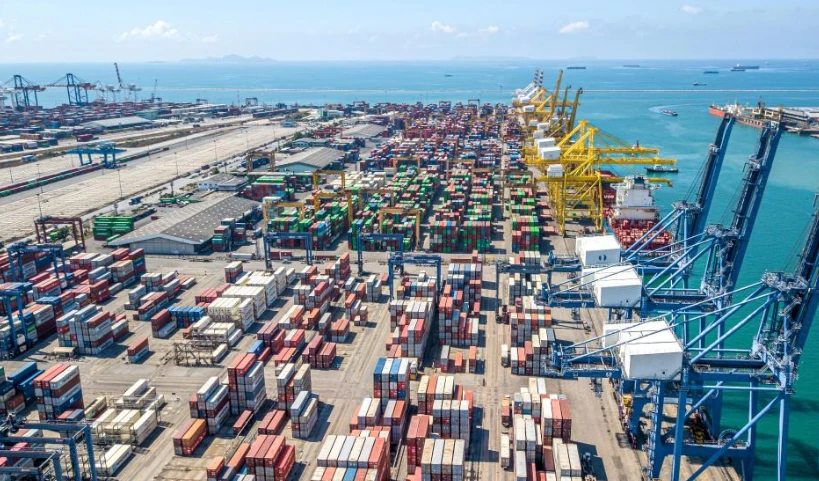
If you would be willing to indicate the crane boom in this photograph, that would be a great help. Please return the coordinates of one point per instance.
(710, 175)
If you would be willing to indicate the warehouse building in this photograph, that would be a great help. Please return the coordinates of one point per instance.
(223, 183)
(365, 131)
(118, 123)
(311, 160)
(307, 142)
(188, 230)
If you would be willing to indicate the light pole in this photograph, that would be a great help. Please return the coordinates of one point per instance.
(175, 161)
(121, 195)
(11, 175)
(39, 206)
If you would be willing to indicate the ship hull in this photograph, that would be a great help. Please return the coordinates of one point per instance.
(755, 123)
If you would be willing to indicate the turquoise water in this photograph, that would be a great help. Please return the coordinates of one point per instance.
(612, 102)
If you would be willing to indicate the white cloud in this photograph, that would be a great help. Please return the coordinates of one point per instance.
(372, 39)
(160, 29)
(690, 9)
(166, 31)
(13, 37)
(491, 29)
(461, 35)
(574, 27)
(439, 27)
(1, 23)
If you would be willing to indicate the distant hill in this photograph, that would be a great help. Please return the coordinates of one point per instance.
(233, 58)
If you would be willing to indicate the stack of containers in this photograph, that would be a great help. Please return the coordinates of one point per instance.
(236, 310)
(189, 436)
(185, 316)
(391, 379)
(57, 390)
(373, 288)
(451, 419)
(525, 233)
(442, 460)
(411, 322)
(557, 417)
(134, 297)
(138, 350)
(270, 458)
(233, 271)
(161, 325)
(211, 403)
(352, 457)
(88, 329)
(114, 458)
(246, 384)
(567, 460)
(255, 294)
(122, 272)
(304, 414)
(420, 429)
(395, 417)
(291, 381)
(273, 285)
(528, 439)
(273, 422)
(211, 294)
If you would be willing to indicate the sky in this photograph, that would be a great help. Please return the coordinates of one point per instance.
(170, 30)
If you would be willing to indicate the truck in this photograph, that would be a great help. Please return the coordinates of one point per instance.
(506, 411)
(135, 200)
(505, 355)
(29, 158)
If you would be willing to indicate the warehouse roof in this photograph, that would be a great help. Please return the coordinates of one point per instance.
(192, 224)
(118, 123)
(364, 131)
(319, 158)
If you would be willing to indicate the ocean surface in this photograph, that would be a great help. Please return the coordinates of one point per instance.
(622, 101)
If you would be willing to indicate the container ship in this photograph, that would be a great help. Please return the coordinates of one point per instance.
(632, 213)
(796, 120)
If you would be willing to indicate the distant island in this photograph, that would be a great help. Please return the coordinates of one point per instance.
(233, 58)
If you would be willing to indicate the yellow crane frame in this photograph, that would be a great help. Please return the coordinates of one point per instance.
(258, 154)
(267, 205)
(579, 190)
(318, 195)
(383, 191)
(318, 173)
(396, 210)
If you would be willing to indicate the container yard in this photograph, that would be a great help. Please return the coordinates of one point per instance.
(406, 317)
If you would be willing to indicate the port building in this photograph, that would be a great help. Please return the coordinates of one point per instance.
(310, 160)
(187, 230)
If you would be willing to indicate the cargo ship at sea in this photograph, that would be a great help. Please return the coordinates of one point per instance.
(631, 212)
(798, 120)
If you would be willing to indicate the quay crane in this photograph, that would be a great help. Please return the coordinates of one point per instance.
(571, 169)
(783, 305)
(132, 89)
(76, 88)
(23, 92)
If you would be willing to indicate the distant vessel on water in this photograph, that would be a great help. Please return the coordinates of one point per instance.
(631, 65)
(700, 84)
(447, 75)
(742, 68)
(576, 67)
(711, 71)
(668, 112)
(667, 169)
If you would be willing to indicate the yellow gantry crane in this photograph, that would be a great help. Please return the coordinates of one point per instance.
(268, 204)
(341, 173)
(574, 179)
(345, 194)
(384, 191)
(399, 211)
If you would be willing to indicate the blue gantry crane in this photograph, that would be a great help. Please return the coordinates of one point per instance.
(12, 295)
(81, 433)
(24, 92)
(272, 237)
(398, 238)
(76, 88)
(55, 252)
(783, 306)
(397, 260)
(105, 149)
